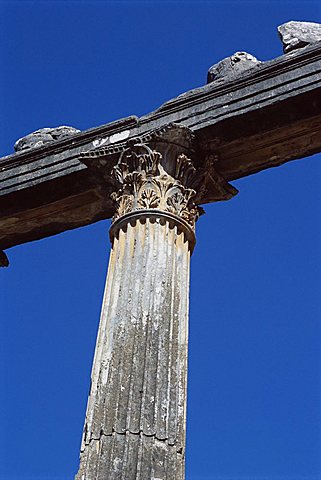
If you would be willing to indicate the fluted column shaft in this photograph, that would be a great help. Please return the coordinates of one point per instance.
(135, 422)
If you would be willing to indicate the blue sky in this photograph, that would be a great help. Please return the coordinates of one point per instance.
(254, 363)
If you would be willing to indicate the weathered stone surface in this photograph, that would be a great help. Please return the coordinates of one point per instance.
(232, 66)
(296, 35)
(136, 413)
(44, 136)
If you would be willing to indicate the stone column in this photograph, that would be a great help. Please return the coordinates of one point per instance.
(136, 413)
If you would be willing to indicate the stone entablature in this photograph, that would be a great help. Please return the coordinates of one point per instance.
(262, 118)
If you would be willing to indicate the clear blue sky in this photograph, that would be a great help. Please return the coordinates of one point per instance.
(254, 364)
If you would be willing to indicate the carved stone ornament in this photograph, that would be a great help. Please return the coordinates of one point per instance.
(144, 184)
(156, 173)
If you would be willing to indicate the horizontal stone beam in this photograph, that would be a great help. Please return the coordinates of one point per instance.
(262, 118)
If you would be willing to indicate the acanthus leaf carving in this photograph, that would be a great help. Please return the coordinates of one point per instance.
(123, 203)
(185, 169)
(144, 184)
(148, 197)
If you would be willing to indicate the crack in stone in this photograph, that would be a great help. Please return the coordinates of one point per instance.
(139, 433)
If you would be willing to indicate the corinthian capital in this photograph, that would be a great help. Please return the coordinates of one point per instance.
(143, 183)
(163, 171)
